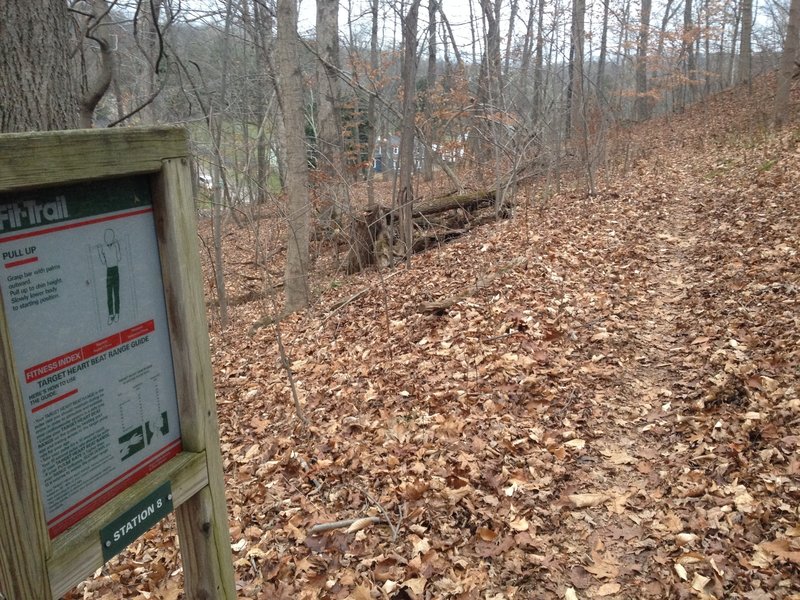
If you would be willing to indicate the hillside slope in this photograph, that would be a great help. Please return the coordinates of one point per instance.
(612, 411)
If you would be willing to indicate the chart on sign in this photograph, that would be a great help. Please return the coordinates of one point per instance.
(84, 302)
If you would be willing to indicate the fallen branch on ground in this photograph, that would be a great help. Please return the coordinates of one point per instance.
(438, 307)
(364, 521)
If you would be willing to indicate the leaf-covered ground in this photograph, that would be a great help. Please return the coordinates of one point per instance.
(612, 411)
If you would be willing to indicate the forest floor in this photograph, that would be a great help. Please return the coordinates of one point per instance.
(613, 411)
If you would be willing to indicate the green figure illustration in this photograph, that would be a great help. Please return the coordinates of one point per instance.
(110, 256)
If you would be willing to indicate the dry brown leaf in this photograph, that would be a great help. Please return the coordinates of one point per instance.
(700, 582)
(570, 594)
(690, 558)
(520, 524)
(608, 589)
(416, 585)
(361, 592)
(587, 500)
(360, 524)
(782, 548)
(575, 444)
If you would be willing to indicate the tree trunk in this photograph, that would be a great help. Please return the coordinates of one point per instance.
(538, 68)
(409, 77)
(688, 55)
(601, 61)
(577, 122)
(153, 46)
(215, 129)
(729, 74)
(494, 85)
(330, 160)
(512, 19)
(642, 101)
(429, 87)
(262, 34)
(37, 91)
(523, 92)
(787, 66)
(372, 130)
(290, 94)
(95, 86)
(745, 52)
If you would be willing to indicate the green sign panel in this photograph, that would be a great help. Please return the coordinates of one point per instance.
(123, 530)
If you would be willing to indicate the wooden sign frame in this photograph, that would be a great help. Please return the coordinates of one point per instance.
(32, 565)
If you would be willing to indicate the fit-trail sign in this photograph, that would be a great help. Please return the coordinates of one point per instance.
(80, 271)
(107, 412)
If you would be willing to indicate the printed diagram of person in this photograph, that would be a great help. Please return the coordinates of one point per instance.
(110, 256)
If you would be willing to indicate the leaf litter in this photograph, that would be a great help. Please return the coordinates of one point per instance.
(615, 414)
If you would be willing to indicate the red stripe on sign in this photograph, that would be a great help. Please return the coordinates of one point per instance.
(138, 331)
(88, 351)
(74, 514)
(29, 234)
(101, 346)
(54, 400)
(19, 263)
(59, 363)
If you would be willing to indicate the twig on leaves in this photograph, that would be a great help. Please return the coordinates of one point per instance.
(401, 513)
(342, 303)
(361, 521)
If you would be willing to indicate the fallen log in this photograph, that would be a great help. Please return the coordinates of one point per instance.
(440, 204)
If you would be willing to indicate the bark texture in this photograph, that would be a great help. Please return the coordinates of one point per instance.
(37, 91)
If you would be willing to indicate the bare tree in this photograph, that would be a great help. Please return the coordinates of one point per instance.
(601, 60)
(331, 161)
(405, 196)
(430, 84)
(150, 39)
(576, 124)
(538, 67)
(263, 20)
(93, 27)
(745, 52)
(290, 94)
(493, 100)
(371, 107)
(688, 56)
(215, 125)
(642, 101)
(787, 65)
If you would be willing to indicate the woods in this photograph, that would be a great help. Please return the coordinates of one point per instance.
(503, 295)
(513, 86)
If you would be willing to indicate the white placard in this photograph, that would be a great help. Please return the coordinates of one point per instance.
(84, 302)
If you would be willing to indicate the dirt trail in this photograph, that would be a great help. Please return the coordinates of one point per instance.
(624, 550)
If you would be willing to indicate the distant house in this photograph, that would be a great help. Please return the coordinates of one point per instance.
(386, 156)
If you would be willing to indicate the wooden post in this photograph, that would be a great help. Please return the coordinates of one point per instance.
(198, 520)
(23, 572)
(43, 562)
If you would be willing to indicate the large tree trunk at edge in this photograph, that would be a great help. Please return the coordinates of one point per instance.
(37, 92)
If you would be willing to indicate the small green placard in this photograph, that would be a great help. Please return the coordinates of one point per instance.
(115, 536)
